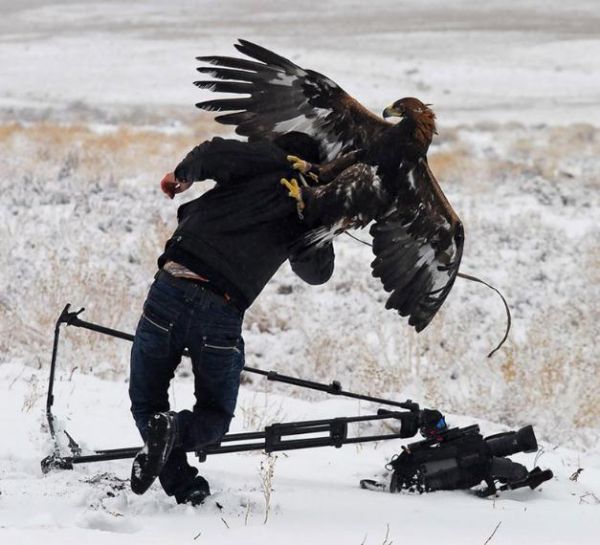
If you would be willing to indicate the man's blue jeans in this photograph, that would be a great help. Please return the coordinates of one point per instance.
(181, 314)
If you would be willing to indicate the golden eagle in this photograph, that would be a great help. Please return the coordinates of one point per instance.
(417, 236)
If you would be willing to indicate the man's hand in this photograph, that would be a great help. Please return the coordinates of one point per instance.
(171, 186)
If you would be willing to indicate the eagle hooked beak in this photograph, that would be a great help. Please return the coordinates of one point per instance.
(390, 111)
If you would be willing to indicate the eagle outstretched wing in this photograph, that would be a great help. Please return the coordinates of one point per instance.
(284, 97)
(418, 246)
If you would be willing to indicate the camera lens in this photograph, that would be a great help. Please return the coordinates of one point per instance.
(505, 444)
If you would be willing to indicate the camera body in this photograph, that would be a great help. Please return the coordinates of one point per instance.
(461, 458)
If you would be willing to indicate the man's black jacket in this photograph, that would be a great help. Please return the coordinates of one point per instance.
(241, 231)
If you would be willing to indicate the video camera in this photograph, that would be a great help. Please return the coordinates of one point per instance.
(461, 458)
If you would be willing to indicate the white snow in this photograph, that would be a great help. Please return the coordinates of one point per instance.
(534, 61)
(96, 103)
(315, 497)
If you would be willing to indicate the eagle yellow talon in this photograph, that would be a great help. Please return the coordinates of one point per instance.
(295, 192)
(299, 164)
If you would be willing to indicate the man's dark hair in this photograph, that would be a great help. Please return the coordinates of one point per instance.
(300, 144)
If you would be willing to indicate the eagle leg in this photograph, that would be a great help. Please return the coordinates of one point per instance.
(295, 192)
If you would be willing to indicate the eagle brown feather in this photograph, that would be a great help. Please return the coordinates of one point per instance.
(417, 236)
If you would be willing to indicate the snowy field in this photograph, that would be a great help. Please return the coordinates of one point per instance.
(96, 104)
(315, 499)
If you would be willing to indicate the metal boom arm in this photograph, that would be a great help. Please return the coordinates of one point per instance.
(273, 438)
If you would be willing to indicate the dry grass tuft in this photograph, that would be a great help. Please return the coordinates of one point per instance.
(80, 222)
(121, 151)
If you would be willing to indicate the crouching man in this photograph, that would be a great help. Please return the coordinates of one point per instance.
(228, 244)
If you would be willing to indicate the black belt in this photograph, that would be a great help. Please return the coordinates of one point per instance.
(183, 283)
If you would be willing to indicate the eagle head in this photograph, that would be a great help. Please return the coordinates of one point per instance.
(408, 107)
(423, 116)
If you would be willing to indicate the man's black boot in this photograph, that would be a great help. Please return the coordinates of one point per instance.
(148, 462)
(196, 493)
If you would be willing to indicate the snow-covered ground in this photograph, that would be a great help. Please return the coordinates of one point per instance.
(96, 103)
(315, 494)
